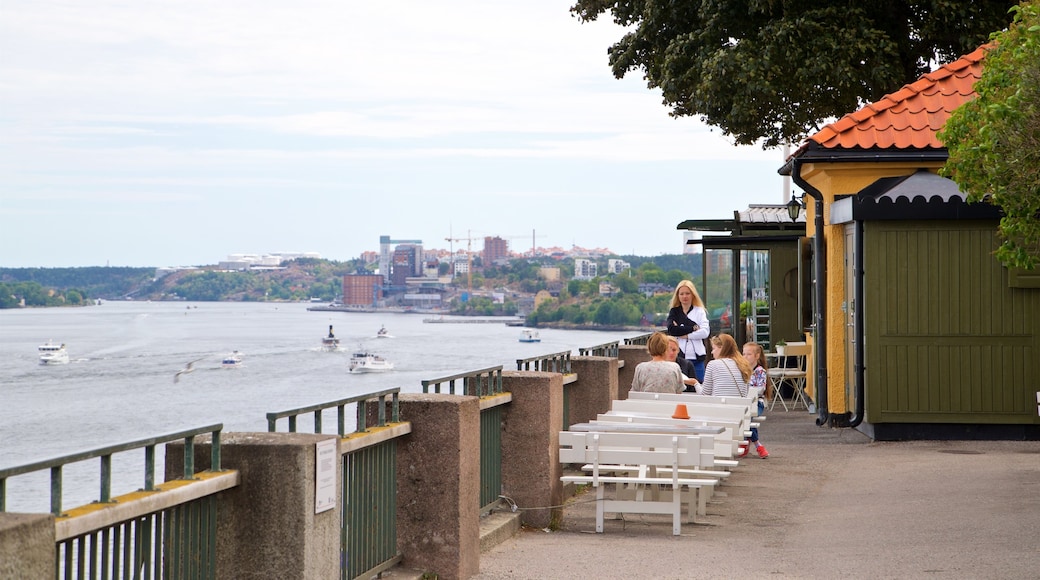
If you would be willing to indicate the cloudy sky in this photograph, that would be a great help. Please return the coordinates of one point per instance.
(168, 133)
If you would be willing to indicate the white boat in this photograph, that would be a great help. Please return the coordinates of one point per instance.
(53, 354)
(330, 343)
(232, 360)
(528, 335)
(365, 362)
(383, 333)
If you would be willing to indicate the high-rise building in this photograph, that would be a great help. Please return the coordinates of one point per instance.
(406, 263)
(495, 249)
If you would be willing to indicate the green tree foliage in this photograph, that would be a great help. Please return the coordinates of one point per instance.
(98, 281)
(13, 293)
(994, 140)
(776, 69)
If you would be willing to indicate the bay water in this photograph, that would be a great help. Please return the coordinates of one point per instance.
(119, 384)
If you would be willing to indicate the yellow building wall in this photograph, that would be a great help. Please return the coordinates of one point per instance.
(834, 180)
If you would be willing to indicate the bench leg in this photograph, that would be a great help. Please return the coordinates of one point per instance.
(676, 511)
(599, 508)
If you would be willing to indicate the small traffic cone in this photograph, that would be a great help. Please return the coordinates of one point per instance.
(681, 412)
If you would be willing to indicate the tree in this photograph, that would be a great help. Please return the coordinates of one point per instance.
(776, 70)
(994, 140)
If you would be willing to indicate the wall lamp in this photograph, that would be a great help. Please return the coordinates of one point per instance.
(794, 208)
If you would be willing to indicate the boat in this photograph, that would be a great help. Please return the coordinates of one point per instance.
(53, 354)
(330, 343)
(383, 333)
(232, 360)
(528, 335)
(366, 362)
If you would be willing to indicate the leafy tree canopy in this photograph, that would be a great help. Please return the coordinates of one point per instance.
(994, 140)
(776, 70)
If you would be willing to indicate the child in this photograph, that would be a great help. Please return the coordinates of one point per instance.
(757, 359)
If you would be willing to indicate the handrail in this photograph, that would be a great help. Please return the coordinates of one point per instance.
(55, 464)
(557, 362)
(490, 378)
(605, 349)
(362, 412)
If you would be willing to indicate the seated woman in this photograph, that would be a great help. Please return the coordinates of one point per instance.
(728, 373)
(660, 374)
(686, 367)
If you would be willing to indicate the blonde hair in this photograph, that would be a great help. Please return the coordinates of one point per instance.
(657, 344)
(696, 296)
(728, 349)
(760, 354)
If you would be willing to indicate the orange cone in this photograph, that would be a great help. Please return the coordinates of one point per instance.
(680, 412)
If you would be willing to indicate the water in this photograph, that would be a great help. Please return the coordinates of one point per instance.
(118, 385)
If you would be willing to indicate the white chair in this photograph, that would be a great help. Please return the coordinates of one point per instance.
(790, 369)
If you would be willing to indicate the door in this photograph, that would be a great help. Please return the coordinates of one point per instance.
(848, 308)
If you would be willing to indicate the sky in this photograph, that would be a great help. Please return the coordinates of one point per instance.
(162, 133)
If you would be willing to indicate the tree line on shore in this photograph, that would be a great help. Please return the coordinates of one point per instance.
(636, 296)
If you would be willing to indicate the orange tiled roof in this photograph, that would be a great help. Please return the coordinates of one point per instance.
(911, 116)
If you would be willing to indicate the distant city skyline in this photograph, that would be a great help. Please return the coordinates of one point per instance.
(137, 134)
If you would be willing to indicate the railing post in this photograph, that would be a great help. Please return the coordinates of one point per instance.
(268, 523)
(530, 445)
(438, 484)
(595, 390)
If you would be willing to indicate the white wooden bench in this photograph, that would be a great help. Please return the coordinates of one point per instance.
(751, 401)
(726, 442)
(645, 470)
(698, 412)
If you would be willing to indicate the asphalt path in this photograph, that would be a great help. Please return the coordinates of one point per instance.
(827, 503)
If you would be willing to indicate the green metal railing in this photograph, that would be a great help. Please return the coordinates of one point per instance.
(361, 414)
(557, 362)
(105, 454)
(490, 455)
(174, 542)
(368, 536)
(605, 349)
(480, 383)
(638, 340)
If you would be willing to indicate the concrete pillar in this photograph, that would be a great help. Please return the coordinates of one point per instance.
(27, 547)
(438, 485)
(531, 467)
(266, 527)
(632, 355)
(596, 388)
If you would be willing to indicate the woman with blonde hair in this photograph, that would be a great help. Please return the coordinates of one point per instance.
(728, 373)
(688, 322)
(756, 359)
(660, 374)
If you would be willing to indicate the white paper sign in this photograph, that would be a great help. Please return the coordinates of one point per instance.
(325, 475)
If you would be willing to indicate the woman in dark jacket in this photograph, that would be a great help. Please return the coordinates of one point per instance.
(688, 322)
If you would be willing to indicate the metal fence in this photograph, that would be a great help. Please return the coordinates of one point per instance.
(605, 349)
(557, 362)
(177, 541)
(479, 383)
(368, 540)
(638, 340)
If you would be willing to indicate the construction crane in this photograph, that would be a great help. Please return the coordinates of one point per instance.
(469, 258)
(532, 237)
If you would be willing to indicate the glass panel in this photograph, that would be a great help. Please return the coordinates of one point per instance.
(718, 289)
(754, 295)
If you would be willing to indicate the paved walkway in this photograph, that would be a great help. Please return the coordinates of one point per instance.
(827, 503)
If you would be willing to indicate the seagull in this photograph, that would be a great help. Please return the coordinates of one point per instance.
(187, 369)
